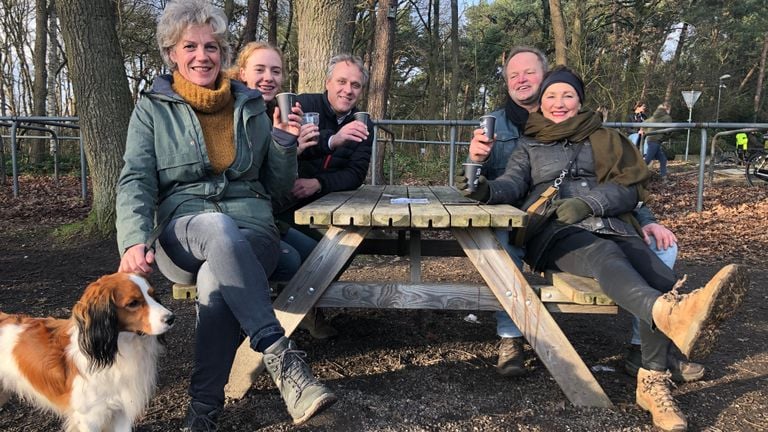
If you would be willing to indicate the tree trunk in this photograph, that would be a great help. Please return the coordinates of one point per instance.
(455, 71)
(53, 62)
(37, 149)
(272, 17)
(322, 26)
(229, 9)
(251, 21)
(558, 32)
(381, 71)
(101, 95)
(433, 58)
(761, 76)
(673, 64)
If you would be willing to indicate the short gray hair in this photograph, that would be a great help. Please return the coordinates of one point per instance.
(525, 49)
(179, 15)
(346, 58)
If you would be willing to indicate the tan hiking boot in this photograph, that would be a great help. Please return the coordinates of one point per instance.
(653, 395)
(690, 320)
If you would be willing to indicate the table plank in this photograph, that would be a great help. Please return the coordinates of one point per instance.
(357, 209)
(320, 211)
(431, 295)
(448, 195)
(392, 215)
(527, 311)
(505, 216)
(297, 298)
(428, 215)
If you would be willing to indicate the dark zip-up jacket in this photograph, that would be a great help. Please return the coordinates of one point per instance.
(344, 167)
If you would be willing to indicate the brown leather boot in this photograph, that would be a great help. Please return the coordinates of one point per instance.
(690, 320)
(653, 395)
(511, 357)
(317, 325)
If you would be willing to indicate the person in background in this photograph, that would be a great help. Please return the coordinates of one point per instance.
(742, 145)
(202, 160)
(638, 116)
(653, 142)
(601, 178)
(523, 73)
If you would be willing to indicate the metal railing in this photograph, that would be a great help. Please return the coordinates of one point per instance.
(44, 124)
(667, 127)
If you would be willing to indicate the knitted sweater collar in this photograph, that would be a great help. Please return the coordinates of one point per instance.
(200, 98)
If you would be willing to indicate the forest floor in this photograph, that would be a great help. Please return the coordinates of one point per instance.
(425, 370)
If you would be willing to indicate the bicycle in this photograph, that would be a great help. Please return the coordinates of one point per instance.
(757, 167)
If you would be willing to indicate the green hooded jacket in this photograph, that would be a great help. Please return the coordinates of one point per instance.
(659, 116)
(167, 172)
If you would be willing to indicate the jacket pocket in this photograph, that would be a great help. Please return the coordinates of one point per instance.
(180, 167)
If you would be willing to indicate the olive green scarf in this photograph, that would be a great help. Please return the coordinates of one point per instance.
(616, 159)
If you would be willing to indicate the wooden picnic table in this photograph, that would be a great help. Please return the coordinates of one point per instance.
(348, 217)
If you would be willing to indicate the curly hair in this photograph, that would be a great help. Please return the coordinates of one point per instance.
(180, 15)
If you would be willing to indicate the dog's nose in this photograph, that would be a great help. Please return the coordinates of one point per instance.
(169, 319)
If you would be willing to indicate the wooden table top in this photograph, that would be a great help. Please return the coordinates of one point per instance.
(425, 207)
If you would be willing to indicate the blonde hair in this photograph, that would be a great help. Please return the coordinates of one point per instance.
(245, 52)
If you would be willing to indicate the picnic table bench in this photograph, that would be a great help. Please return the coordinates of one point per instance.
(350, 218)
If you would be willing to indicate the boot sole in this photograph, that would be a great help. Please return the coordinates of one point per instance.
(512, 372)
(732, 284)
(318, 406)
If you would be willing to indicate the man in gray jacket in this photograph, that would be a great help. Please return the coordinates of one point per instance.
(523, 73)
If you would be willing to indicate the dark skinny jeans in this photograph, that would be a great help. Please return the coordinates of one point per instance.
(230, 267)
(627, 271)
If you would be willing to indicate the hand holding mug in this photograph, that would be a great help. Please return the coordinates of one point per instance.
(354, 131)
(480, 146)
(309, 135)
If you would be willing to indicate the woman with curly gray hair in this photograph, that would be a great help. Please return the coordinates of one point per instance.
(201, 164)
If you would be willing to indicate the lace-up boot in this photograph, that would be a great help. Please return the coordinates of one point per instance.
(303, 394)
(653, 395)
(511, 357)
(201, 418)
(691, 320)
(681, 369)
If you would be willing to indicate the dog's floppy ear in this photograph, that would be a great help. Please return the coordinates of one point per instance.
(96, 318)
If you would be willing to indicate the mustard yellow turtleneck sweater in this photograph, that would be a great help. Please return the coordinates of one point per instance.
(215, 110)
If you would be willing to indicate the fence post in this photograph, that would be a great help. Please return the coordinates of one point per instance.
(702, 156)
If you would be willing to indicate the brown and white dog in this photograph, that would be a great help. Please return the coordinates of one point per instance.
(97, 369)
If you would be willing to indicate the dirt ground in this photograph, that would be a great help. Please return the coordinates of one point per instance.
(424, 370)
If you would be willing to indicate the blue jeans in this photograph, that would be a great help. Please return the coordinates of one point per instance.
(295, 247)
(654, 151)
(288, 263)
(506, 328)
(668, 257)
(229, 265)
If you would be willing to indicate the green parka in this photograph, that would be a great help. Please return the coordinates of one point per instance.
(167, 172)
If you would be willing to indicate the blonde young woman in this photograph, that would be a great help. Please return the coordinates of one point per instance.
(260, 66)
